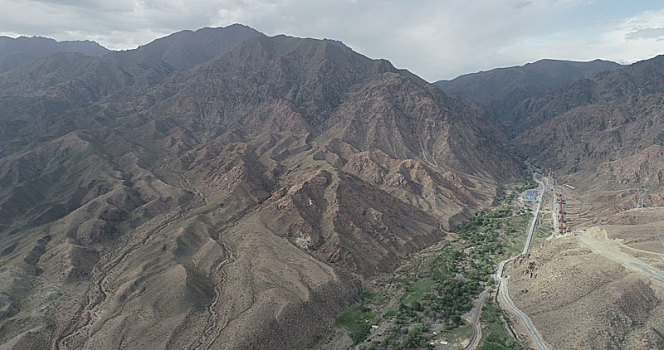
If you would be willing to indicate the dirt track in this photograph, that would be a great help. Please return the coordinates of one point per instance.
(600, 287)
(610, 251)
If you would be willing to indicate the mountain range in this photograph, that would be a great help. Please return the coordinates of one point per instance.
(601, 130)
(222, 188)
(502, 91)
(15, 52)
(225, 189)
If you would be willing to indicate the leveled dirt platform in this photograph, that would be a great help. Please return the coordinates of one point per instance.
(580, 299)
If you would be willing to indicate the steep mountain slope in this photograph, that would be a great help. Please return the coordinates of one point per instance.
(606, 128)
(602, 137)
(79, 79)
(501, 90)
(186, 49)
(636, 80)
(15, 52)
(329, 88)
(43, 91)
(596, 120)
(230, 202)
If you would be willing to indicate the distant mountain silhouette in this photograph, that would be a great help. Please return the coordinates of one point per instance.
(15, 52)
(608, 125)
(501, 90)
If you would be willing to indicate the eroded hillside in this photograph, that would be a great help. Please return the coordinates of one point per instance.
(155, 200)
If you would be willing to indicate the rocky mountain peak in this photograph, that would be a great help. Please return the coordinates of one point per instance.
(188, 48)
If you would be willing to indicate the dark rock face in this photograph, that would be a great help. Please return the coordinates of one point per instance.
(604, 128)
(506, 92)
(222, 188)
(596, 121)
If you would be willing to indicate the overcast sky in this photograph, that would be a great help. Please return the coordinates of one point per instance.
(436, 39)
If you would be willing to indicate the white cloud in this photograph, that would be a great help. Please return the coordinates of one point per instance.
(433, 38)
(625, 41)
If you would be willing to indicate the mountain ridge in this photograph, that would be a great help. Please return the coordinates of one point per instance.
(614, 115)
(288, 169)
(15, 52)
(502, 90)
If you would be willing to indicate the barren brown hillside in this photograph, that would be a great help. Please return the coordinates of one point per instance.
(236, 204)
(588, 289)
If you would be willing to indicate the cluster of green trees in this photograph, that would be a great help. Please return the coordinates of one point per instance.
(358, 322)
(404, 338)
(483, 220)
(453, 279)
(453, 289)
(496, 337)
(528, 183)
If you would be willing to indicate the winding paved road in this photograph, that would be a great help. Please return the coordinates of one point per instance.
(503, 291)
(477, 327)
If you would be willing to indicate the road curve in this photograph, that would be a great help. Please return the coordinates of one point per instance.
(477, 328)
(503, 292)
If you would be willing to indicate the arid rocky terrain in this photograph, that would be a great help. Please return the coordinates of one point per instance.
(589, 290)
(505, 92)
(599, 286)
(15, 52)
(222, 189)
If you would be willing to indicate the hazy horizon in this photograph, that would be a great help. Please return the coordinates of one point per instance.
(436, 40)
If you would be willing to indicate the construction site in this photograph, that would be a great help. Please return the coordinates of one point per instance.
(600, 273)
